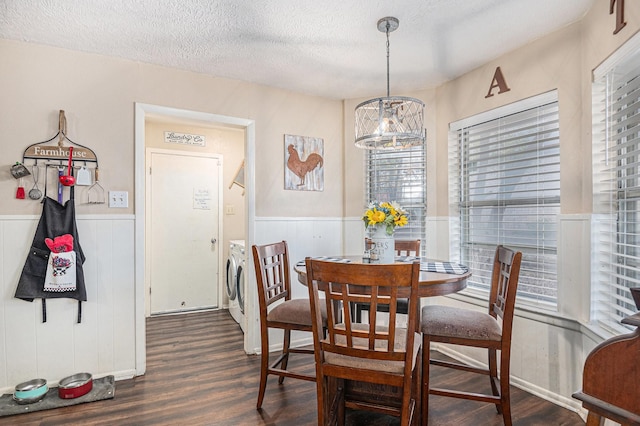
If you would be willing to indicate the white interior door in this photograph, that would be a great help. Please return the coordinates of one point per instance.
(183, 226)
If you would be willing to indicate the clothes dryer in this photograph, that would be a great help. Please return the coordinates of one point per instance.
(235, 280)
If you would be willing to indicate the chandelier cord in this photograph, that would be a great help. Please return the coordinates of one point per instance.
(388, 26)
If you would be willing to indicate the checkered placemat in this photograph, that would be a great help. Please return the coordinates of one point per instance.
(408, 259)
(444, 267)
(327, 259)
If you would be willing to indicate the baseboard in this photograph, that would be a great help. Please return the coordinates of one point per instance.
(124, 374)
(295, 343)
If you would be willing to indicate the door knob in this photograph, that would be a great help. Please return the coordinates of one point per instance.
(213, 241)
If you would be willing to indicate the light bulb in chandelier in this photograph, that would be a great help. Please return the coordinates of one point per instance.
(390, 121)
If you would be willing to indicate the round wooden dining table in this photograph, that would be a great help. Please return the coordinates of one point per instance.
(431, 283)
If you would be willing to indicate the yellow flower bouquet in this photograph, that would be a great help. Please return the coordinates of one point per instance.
(385, 214)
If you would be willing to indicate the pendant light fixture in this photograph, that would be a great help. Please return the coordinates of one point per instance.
(392, 122)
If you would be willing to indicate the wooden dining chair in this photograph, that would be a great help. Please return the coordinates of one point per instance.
(610, 378)
(354, 352)
(278, 311)
(402, 248)
(492, 330)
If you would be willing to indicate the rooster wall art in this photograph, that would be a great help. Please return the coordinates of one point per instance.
(304, 173)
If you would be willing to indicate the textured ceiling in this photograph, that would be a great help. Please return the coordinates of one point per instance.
(329, 48)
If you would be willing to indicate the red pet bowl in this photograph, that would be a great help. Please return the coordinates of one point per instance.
(75, 386)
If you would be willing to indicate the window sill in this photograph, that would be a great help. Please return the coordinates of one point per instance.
(523, 311)
(592, 331)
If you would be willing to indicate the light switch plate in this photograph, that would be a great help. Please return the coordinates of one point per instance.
(119, 199)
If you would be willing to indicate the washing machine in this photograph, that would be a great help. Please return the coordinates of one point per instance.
(235, 280)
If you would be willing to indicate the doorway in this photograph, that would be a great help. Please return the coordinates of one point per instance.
(251, 336)
(183, 230)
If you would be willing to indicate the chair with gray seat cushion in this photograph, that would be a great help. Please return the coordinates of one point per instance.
(492, 331)
(374, 354)
(278, 310)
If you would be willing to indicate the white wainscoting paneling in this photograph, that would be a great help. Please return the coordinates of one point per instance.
(104, 342)
(312, 236)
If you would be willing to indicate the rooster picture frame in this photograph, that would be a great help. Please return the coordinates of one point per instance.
(304, 163)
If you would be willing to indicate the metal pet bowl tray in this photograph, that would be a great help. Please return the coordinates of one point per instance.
(75, 386)
(30, 391)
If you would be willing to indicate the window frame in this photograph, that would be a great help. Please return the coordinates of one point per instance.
(533, 265)
(615, 261)
(383, 169)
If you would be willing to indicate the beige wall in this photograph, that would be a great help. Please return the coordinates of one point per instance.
(547, 64)
(98, 95)
(563, 60)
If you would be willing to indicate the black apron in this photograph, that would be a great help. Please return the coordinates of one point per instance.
(56, 220)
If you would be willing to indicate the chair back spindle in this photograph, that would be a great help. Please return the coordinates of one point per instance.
(274, 269)
(402, 248)
(506, 271)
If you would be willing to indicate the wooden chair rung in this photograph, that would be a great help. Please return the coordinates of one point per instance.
(278, 361)
(368, 406)
(465, 395)
(459, 366)
(300, 351)
(288, 373)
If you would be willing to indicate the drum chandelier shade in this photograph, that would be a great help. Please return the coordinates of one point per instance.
(392, 122)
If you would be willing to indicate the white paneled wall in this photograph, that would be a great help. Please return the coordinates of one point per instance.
(104, 342)
(304, 237)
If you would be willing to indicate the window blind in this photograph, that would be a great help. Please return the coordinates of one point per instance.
(400, 175)
(505, 175)
(616, 153)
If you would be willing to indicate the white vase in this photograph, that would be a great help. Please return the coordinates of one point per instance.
(383, 247)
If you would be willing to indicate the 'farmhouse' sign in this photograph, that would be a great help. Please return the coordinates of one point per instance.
(57, 152)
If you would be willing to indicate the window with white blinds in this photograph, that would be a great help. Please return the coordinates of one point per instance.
(616, 180)
(505, 176)
(400, 175)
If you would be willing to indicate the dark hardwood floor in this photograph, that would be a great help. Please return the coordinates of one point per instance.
(198, 374)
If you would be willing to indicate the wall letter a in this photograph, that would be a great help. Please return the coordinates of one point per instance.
(499, 82)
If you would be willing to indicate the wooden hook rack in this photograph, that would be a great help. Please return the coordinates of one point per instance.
(42, 151)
